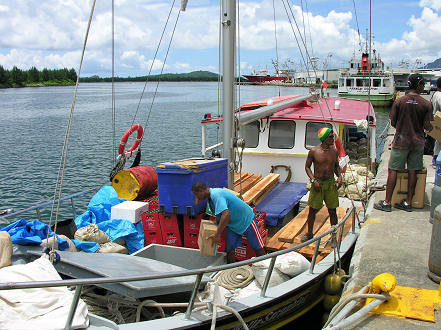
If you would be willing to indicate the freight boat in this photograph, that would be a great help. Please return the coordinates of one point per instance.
(260, 137)
(262, 76)
(366, 79)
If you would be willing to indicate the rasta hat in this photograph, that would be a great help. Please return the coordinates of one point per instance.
(323, 133)
(415, 79)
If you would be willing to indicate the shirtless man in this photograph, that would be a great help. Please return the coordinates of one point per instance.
(323, 185)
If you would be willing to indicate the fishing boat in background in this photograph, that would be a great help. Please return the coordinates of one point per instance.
(267, 137)
(263, 76)
(367, 79)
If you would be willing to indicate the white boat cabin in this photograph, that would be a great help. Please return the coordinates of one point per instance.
(286, 137)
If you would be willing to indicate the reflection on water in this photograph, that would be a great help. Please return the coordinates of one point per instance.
(382, 115)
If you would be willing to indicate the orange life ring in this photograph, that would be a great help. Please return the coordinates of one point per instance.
(341, 151)
(125, 137)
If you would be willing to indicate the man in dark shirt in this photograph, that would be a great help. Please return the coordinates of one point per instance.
(410, 115)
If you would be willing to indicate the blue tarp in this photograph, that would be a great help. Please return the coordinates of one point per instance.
(281, 200)
(33, 232)
(98, 212)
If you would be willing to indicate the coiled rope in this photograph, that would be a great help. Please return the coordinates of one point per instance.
(235, 278)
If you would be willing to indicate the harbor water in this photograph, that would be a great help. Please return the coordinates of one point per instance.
(34, 122)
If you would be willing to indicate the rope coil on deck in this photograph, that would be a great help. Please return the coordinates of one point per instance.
(235, 278)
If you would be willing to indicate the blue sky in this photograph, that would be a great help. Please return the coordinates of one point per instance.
(50, 33)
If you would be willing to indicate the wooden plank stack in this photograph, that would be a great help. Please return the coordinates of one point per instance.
(261, 189)
(248, 181)
(291, 234)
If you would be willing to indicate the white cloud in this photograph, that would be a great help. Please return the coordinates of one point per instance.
(181, 66)
(434, 4)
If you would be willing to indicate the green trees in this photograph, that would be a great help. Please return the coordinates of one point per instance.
(17, 77)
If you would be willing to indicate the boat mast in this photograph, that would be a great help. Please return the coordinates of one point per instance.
(228, 61)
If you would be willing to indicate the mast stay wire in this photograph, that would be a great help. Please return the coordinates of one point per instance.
(113, 87)
(275, 37)
(63, 159)
(151, 68)
(358, 29)
(219, 70)
(326, 101)
(309, 27)
(162, 68)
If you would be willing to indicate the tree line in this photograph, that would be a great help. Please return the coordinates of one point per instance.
(17, 77)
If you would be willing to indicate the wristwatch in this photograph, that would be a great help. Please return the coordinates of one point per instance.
(312, 180)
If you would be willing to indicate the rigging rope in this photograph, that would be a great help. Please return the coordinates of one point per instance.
(235, 278)
(275, 37)
(63, 159)
(358, 29)
(151, 68)
(162, 69)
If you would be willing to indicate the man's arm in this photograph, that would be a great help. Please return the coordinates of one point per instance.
(393, 114)
(308, 164)
(225, 219)
(337, 170)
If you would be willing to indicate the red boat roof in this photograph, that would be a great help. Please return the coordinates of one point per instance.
(350, 110)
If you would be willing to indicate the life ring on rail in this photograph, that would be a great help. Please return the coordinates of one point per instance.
(341, 151)
(125, 137)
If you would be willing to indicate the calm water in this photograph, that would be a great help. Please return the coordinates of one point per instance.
(34, 120)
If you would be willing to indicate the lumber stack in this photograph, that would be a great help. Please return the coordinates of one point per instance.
(291, 234)
(261, 189)
(246, 181)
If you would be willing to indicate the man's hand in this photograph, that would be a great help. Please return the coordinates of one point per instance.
(316, 185)
(339, 182)
(215, 238)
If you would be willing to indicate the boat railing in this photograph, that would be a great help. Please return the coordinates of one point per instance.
(6, 218)
(336, 231)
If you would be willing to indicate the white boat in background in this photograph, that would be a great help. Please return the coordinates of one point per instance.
(367, 79)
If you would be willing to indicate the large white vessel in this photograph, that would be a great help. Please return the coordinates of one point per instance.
(366, 79)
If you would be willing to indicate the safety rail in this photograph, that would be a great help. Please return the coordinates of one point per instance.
(198, 272)
(38, 207)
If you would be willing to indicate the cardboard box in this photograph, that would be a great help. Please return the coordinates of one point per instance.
(400, 191)
(129, 210)
(206, 246)
(436, 124)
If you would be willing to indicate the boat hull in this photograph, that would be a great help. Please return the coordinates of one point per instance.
(382, 100)
(262, 79)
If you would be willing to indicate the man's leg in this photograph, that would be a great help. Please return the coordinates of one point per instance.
(390, 185)
(231, 257)
(411, 183)
(311, 219)
(333, 216)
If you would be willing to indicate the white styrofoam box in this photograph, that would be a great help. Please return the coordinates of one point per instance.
(129, 210)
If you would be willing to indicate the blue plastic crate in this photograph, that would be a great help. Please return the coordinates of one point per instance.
(438, 168)
(175, 180)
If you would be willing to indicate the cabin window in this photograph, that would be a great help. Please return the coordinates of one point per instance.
(376, 82)
(251, 134)
(341, 82)
(349, 82)
(282, 134)
(311, 138)
(386, 82)
(362, 82)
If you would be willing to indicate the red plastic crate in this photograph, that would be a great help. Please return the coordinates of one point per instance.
(245, 251)
(153, 237)
(192, 223)
(170, 229)
(150, 221)
(191, 240)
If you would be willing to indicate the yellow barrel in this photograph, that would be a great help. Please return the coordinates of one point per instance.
(136, 182)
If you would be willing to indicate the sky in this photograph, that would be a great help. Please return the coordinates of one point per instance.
(51, 33)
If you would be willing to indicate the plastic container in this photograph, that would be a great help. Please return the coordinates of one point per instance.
(438, 168)
(436, 198)
(129, 210)
(175, 180)
(136, 182)
(434, 271)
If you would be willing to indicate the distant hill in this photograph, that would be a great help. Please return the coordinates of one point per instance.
(191, 76)
(434, 65)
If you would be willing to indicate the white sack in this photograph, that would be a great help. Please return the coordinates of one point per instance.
(91, 233)
(260, 269)
(5, 249)
(292, 263)
(112, 247)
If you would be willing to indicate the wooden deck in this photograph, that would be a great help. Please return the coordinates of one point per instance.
(290, 235)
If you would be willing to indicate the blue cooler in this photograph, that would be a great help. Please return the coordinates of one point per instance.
(175, 180)
(438, 168)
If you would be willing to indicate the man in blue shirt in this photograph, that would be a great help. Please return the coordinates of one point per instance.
(234, 215)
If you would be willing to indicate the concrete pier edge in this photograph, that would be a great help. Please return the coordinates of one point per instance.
(396, 242)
